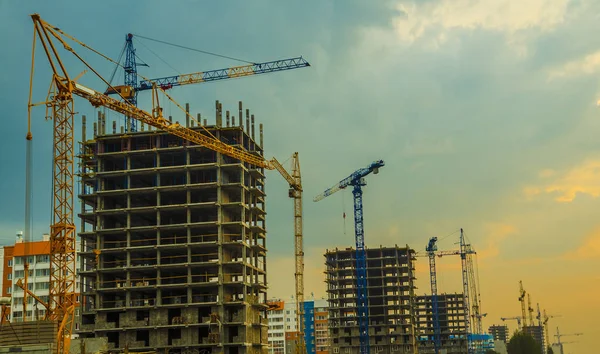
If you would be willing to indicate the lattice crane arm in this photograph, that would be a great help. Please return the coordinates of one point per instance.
(156, 120)
(284, 173)
(357, 175)
(223, 74)
(21, 285)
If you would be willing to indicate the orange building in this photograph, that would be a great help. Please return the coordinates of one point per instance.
(7, 267)
(37, 255)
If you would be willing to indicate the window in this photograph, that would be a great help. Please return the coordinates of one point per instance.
(9, 277)
(44, 258)
(9, 290)
(10, 262)
(42, 272)
(42, 286)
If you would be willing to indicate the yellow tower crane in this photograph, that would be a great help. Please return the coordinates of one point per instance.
(530, 309)
(295, 192)
(522, 300)
(60, 108)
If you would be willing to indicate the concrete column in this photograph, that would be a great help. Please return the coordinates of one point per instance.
(187, 115)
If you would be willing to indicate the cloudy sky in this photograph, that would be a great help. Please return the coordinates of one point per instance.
(484, 112)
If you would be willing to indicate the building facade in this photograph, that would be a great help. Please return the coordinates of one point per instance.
(390, 293)
(537, 332)
(453, 330)
(499, 332)
(174, 241)
(37, 255)
(276, 317)
(315, 320)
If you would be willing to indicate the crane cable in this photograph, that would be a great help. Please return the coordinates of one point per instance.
(195, 50)
(52, 30)
(151, 51)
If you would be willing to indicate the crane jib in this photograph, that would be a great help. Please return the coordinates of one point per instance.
(223, 74)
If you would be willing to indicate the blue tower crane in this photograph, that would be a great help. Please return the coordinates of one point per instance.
(130, 69)
(132, 86)
(431, 248)
(357, 180)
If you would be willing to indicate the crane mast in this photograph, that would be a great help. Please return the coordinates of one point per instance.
(357, 181)
(522, 300)
(295, 192)
(431, 249)
(465, 279)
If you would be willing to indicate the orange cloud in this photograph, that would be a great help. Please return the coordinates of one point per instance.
(584, 179)
(496, 232)
(589, 249)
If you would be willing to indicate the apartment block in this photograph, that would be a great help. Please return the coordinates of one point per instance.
(453, 330)
(276, 318)
(499, 332)
(174, 240)
(37, 255)
(390, 290)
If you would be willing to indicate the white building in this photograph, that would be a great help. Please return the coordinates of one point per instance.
(37, 255)
(276, 318)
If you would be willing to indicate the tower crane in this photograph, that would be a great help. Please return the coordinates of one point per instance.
(130, 89)
(60, 107)
(471, 293)
(530, 309)
(357, 181)
(295, 181)
(522, 294)
(469, 286)
(558, 336)
(431, 248)
(545, 322)
(518, 319)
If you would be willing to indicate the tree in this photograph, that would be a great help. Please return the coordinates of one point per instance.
(522, 343)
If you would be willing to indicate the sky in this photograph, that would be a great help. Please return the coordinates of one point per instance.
(485, 113)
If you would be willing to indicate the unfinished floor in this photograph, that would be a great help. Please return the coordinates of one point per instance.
(453, 332)
(173, 241)
(390, 282)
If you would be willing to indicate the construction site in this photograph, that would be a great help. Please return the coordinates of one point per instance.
(168, 250)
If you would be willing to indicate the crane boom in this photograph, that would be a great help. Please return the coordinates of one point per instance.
(357, 180)
(295, 192)
(350, 180)
(131, 85)
(223, 74)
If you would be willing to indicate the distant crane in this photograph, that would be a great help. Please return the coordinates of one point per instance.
(546, 319)
(357, 180)
(559, 336)
(131, 87)
(431, 249)
(530, 309)
(522, 294)
(470, 289)
(518, 319)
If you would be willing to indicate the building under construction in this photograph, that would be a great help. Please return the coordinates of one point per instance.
(499, 333)
(173, 240)
(451, 314)
(537, 332)
(390, 293)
